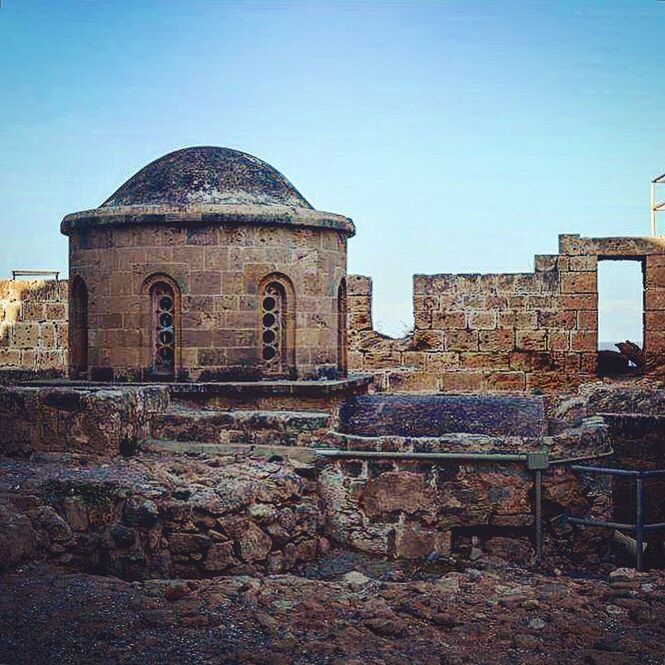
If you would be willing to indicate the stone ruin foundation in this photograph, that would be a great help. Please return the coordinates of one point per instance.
(154, 481)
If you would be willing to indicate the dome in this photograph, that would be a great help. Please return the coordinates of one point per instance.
(207, 175)
(207, 185)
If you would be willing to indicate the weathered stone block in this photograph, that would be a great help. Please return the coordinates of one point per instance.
(463, 381)
(531, 340)
(570, 243)
(462, 340)
(477, 360)
(496, 340)
(527, 320)
(545, 262)
(436, 362)
(448, 320)
(654, 320)
(587, 320)
(583, 340)
(589, 363)
(654, 340)
(505, 319)
(578, 282)
(482, 320)
(506, 381)
(427, 340)
(358, 285)
(25, 335)
(411, 381)
(582, 263)
(557, 320)
(10, 358)
(398, 491)
(412, 541)
(654, 298)
(579, 301)
(530, 361)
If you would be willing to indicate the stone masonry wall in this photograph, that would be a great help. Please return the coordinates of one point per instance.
(218, 271)
(33, 328)
(496, 332)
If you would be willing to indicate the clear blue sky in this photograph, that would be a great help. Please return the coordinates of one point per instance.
(460, 136)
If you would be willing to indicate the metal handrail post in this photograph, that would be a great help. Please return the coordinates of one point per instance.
(639, 526)
(538, 483)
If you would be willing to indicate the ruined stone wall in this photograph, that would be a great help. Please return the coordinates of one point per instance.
(410, 509)
(76, 420)
(160, 515)
(33, 328)
(496, 332)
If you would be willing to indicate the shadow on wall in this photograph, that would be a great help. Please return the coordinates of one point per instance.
(33, 328)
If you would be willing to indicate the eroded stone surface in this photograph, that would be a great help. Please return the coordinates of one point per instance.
(77, 419)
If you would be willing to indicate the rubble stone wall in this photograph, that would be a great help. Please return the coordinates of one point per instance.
(507, 332)
(33, 328)
(160, 516)
(76, 420)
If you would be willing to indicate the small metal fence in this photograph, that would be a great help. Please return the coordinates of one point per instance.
(639, 528)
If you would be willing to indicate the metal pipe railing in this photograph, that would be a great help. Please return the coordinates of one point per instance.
(36, 273)
(610, 471)
(640, 528)
(408, 455)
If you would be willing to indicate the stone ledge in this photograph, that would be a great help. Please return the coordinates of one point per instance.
(304, 388)
(274, 215)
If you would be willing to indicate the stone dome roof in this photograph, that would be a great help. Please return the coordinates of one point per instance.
(207, 175)
(207, 185)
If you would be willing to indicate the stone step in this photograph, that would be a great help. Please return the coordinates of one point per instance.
(287, 428)
(437, 415)
(299, 455)
(448, 443)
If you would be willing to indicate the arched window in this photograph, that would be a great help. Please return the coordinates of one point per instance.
(277, 325)
(163, 299)
(342, 308)
(78, 329)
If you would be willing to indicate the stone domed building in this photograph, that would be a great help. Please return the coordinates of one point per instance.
(207, 265)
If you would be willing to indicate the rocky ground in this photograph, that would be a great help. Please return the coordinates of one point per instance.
(500, 614)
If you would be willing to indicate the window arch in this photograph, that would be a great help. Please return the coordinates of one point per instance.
(277, 325)
(78, 329)
(342, 330)
(164, 337)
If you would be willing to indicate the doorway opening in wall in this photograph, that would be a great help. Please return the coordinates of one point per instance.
(78, 329)
(620, 317)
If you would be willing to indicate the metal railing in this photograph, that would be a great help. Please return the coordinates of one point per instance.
(36, 273)
(639, 528)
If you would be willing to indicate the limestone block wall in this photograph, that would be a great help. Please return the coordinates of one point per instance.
(495, 332)
(33, 327)
(218, 272)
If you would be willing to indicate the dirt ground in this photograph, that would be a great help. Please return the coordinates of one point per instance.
(495, 614)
